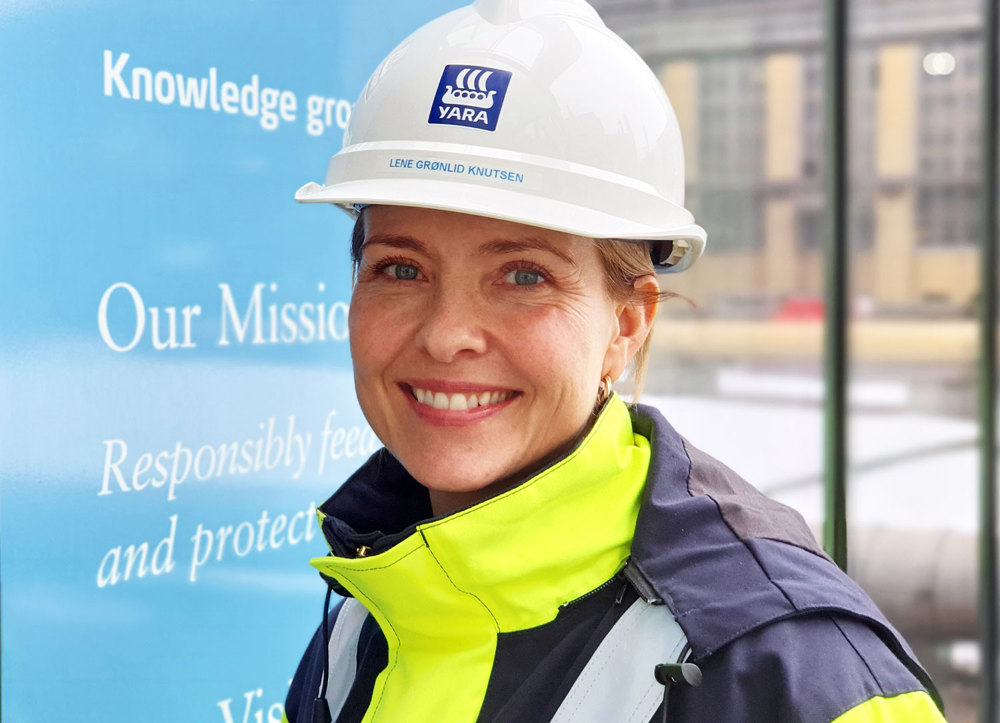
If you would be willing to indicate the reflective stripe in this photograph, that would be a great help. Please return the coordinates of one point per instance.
(915, 707)
(617, 683)
(342, 652)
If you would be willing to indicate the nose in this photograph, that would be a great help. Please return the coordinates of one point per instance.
(452, 324)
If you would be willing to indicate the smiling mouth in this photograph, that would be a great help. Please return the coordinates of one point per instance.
(460, 402)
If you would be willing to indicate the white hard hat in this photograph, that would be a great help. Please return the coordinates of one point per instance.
(524, 110)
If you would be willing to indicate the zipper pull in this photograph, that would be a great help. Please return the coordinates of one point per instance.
(670, 674)
(677, 673)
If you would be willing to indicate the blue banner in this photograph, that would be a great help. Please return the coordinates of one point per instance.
(175, 379)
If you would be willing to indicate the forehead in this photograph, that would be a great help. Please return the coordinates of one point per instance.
(450, 232)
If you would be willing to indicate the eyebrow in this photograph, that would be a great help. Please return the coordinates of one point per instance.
(497, 246)
(530, 243)
(396, 242)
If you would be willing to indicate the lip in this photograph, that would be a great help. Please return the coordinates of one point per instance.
(449, 387)
(454, 418)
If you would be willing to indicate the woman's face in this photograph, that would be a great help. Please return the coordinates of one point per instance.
(479, 344)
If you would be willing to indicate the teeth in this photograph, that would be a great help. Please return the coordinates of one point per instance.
(458, 402)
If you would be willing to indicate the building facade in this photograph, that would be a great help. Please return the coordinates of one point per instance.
(747, 81)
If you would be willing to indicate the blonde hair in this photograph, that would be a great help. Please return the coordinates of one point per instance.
(624, 262)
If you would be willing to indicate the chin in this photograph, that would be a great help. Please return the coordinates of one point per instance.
(444, 479)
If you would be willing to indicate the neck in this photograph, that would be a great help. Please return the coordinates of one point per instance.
(445, 502)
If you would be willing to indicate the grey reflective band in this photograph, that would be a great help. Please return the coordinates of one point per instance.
(343, 652)
(617, 683)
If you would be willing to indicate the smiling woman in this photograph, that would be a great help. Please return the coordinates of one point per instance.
(526, 546)
(470, 308)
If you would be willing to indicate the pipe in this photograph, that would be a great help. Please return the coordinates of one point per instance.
(924, 581)
(835, 265)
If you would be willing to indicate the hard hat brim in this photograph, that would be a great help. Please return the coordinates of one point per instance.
(507, 205)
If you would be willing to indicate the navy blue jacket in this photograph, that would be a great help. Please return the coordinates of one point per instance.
(779, 632)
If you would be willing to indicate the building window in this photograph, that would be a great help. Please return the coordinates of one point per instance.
(947, 215)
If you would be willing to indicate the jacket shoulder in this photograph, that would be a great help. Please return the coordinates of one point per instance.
(737, 568)
(813, 669)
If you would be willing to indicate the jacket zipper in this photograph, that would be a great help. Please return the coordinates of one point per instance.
(596, 590)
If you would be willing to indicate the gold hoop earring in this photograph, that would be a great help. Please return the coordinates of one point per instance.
(604, 391)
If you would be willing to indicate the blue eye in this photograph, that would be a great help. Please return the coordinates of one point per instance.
(401, 272)
(524, 277)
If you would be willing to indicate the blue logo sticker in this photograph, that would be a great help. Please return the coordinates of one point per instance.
(470, 95)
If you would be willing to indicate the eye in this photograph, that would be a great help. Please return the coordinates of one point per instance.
(524, 277)
(400, 271)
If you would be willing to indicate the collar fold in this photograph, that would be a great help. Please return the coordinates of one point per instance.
(510, 561)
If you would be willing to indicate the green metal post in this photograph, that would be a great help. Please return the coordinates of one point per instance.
(835, 265)
(989, 710)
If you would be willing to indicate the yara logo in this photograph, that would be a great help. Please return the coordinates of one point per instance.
(472, 90)
(470, 95)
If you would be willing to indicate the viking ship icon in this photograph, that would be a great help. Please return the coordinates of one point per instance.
(470, 89)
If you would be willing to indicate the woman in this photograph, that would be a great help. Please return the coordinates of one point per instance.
(527, 547)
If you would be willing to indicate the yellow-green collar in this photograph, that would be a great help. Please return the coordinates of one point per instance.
(520, 555)
(442, 594)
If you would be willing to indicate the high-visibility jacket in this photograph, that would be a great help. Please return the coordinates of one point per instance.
(557, 599)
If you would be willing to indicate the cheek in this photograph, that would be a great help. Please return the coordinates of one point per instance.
(561, 346)
(372, 350)
(375, 325)
(357, 339)
(370, 337)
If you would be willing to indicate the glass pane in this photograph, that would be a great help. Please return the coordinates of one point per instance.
(913, 455)
(736, 360)
(738, 371)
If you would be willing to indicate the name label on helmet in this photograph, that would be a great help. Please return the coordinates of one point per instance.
(470, 95)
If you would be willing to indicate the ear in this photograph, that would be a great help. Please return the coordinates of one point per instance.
(635, 321)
